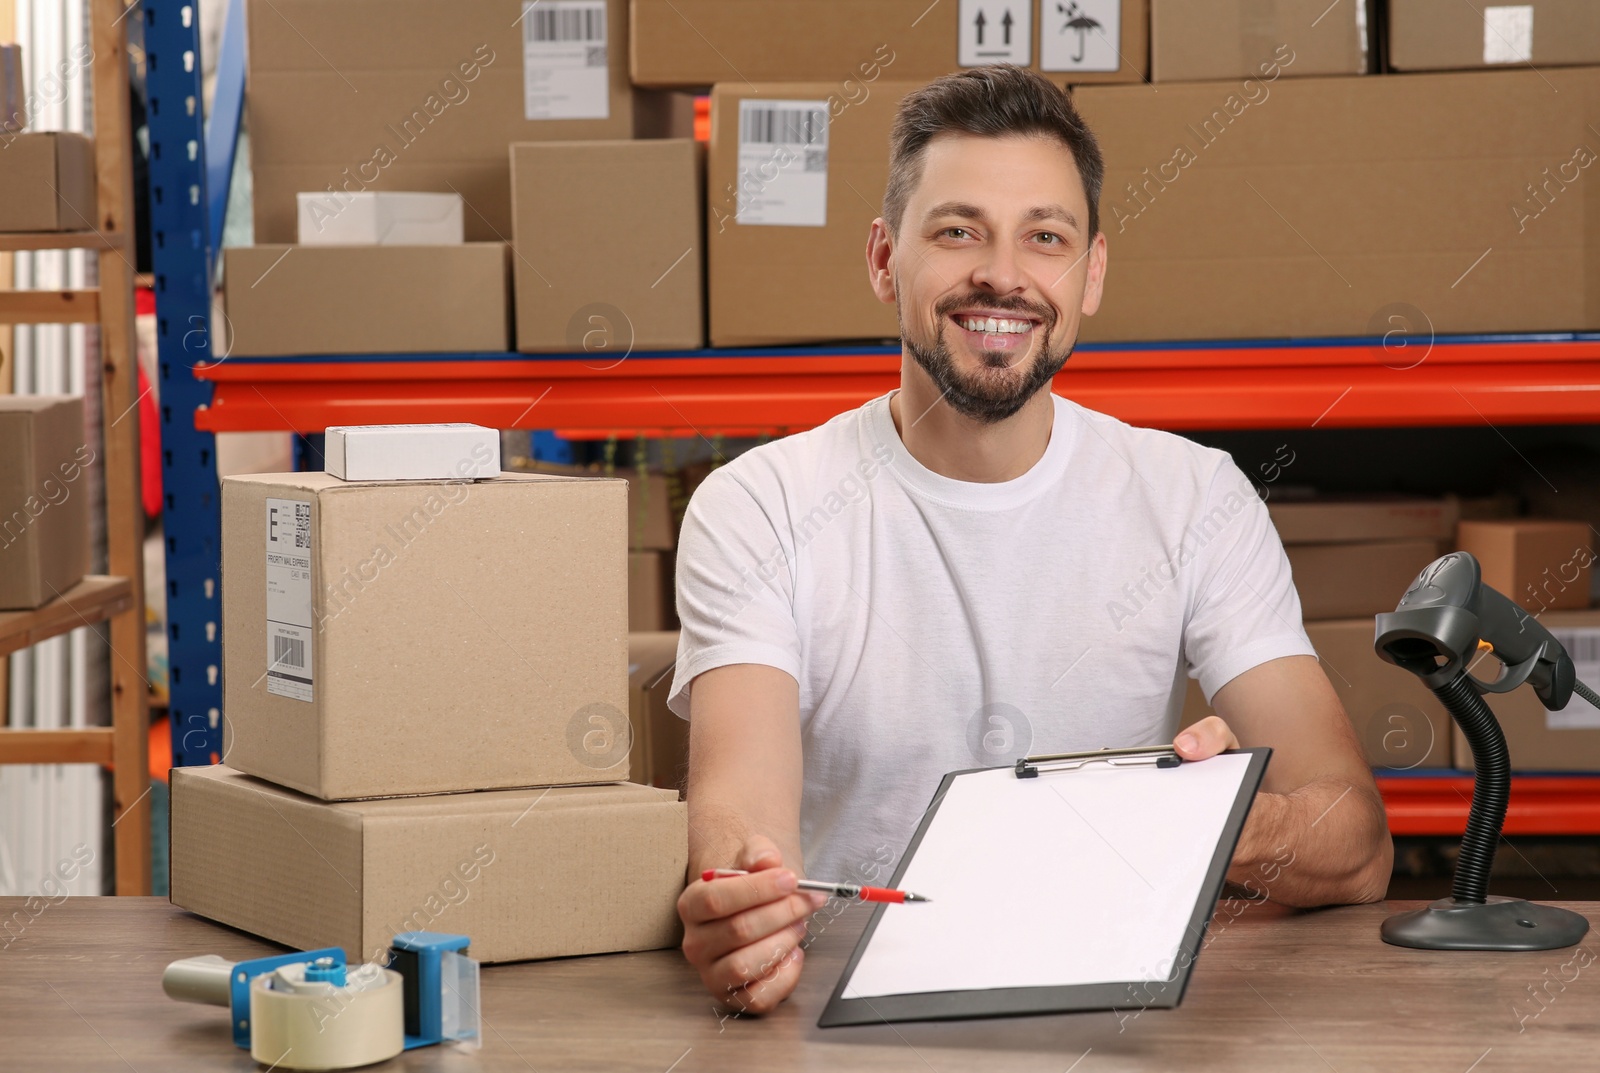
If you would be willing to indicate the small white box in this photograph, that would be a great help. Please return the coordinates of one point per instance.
(335, 218)
(412, 452)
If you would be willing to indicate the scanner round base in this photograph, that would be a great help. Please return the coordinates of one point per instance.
(1497, 924)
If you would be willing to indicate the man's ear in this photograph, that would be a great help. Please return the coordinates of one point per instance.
(880, 261)
(1095, 278)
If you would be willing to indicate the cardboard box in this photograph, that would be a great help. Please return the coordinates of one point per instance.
(650, 599)
(432, 101)
(1541, 565)
(787, 230)
(1317, 207)
(1347, 580)
(47, 183)
(456, 451)
(523, 873)
(288, 300)
(1399, 723)
(1537, 738)
(44, 498)
(573, 206)
(379, 219)
(697, 43)
(421, 637)
(1440, 35)
(1343, 520)
(660, 753)
(1196, 40)
(652, 524)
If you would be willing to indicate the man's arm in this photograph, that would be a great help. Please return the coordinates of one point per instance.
(1317, 832)
(745, 777)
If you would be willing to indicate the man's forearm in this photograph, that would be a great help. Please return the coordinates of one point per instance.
(1326, 843)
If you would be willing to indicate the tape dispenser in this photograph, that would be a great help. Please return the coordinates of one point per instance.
(313, 1011)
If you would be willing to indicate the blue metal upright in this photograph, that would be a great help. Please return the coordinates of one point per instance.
(182, 256)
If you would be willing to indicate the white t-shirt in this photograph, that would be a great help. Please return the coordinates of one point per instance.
(935, 625)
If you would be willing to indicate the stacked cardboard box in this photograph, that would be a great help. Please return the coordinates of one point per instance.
(1442, 35)
(661, 739)
(47, 183)
(44, 496)
(1197, 40)
(1358, 556)
(426, 722)
(697, 43)
(1541, 564)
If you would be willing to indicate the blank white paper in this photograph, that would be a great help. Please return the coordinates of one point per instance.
(1074, 877)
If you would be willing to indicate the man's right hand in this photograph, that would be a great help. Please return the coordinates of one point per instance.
(743, 933)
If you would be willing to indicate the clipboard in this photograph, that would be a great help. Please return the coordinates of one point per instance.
(1013, 938)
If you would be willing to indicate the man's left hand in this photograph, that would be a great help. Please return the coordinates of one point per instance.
(1205, 739)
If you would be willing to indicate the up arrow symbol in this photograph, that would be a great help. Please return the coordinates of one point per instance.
(1006, 22)
(979, 22)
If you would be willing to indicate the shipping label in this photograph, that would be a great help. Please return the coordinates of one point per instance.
(289, 636)
(783, 163)
(566, 71)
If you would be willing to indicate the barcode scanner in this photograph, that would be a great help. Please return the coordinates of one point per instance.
(1442, 622)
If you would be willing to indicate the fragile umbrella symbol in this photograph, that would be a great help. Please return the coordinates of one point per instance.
(1077, 20)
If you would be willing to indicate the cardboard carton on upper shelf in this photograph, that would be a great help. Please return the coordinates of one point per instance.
(44, 498)
(432, 101)
(421, 637)
(288, 300)
(1352, 519)
(1197, 40)
(371, 218)
(1439, 35)
(1400, 724)
(525, 873)
(697, 43)
(47, 182)
(1541, 564)
(1323, 206)
(791, 192)
(660, 739)
(574, 206)
(1537, 738)
(1365, 578)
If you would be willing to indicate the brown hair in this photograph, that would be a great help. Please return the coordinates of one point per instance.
(990, 101)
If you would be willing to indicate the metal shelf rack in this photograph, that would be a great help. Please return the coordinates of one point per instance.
(1326, 383)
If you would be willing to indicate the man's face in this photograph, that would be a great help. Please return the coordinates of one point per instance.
(993, 269)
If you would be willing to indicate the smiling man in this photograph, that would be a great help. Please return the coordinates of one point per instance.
(971, 568)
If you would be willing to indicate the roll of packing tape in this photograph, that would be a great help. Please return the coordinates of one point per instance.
(297, 1023)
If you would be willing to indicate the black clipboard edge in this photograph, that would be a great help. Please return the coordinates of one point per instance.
(1026, 1001)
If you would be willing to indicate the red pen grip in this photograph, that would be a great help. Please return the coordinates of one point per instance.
(882, 894)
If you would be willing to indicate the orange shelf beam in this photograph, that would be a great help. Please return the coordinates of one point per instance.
(1495, 381)
(1540, 804)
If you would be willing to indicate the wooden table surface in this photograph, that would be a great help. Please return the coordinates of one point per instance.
(80, 989)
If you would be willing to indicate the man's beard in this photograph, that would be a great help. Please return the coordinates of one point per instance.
(977, 397)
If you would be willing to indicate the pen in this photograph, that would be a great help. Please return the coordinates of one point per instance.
(841, 890)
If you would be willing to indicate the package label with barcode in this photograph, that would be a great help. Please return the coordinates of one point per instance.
(566, 71)
(289, 634)
(1583, 645)
(783, 163)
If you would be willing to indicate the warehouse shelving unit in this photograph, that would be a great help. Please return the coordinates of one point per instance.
(118, 598)
(1323, 383)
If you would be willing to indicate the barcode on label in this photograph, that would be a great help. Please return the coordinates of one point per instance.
(302, 525)
(288, 652)
(556, 24)
(784, 126)
(1582, 645)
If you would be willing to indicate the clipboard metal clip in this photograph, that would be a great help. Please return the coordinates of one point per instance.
(1160, 756)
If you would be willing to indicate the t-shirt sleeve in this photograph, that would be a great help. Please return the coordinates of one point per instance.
(735, 586)
(1244, 609)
